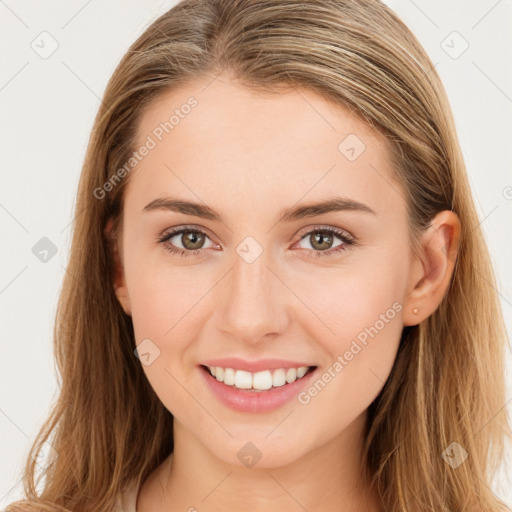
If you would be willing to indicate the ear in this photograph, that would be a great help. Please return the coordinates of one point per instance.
(120, 288)
(432, 271)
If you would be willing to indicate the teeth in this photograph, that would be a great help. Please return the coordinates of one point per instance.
(291, 375)
(243, 380)
(260, 380)
(279, 378)
(229, 376)
(302, 371)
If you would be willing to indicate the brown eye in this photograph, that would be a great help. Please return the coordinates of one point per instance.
(185, 241)
(192, 240)
(322, 241)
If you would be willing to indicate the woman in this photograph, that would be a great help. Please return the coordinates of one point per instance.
(286, 297)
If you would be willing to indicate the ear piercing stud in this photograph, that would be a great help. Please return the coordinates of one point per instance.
(415, 311)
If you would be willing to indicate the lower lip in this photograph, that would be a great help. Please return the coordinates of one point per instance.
(255, 401)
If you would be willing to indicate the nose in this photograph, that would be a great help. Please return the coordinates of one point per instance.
(252, 302)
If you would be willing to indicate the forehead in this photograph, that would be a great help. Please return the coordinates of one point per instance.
(231, 144)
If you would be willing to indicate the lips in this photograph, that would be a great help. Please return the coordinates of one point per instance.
(253, 400)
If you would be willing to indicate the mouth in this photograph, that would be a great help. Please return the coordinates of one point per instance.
(249, 392)
(258, 382)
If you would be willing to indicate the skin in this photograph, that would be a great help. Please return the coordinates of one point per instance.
(248, 156)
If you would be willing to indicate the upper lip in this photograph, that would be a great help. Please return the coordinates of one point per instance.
(254, 366)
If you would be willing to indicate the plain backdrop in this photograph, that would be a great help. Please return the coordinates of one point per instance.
(56, 59)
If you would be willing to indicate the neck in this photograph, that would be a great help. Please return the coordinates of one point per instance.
(329, 477)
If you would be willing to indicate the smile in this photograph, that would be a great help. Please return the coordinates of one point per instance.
(255, 392)
(259, 381)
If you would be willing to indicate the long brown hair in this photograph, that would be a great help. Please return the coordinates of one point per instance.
(108, 427)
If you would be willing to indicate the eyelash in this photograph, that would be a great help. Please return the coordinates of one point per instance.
(345, 238)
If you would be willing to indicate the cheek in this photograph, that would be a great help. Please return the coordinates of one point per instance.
(354, 297)
(166, 305)
(361, 324)
(159, 288)
(169, 306)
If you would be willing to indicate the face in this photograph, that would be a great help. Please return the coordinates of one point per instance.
(255, 272)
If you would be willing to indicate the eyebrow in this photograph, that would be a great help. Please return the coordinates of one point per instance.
(287, 215)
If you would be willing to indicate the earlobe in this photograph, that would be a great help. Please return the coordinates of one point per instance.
(432, 271)
(123, 299)
(120, 288)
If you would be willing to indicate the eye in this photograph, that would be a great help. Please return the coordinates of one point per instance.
(191, 239)
(322, 240)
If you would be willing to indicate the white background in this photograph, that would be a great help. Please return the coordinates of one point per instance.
(48, 106)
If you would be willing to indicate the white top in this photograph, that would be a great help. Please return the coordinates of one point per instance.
(127, 501)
